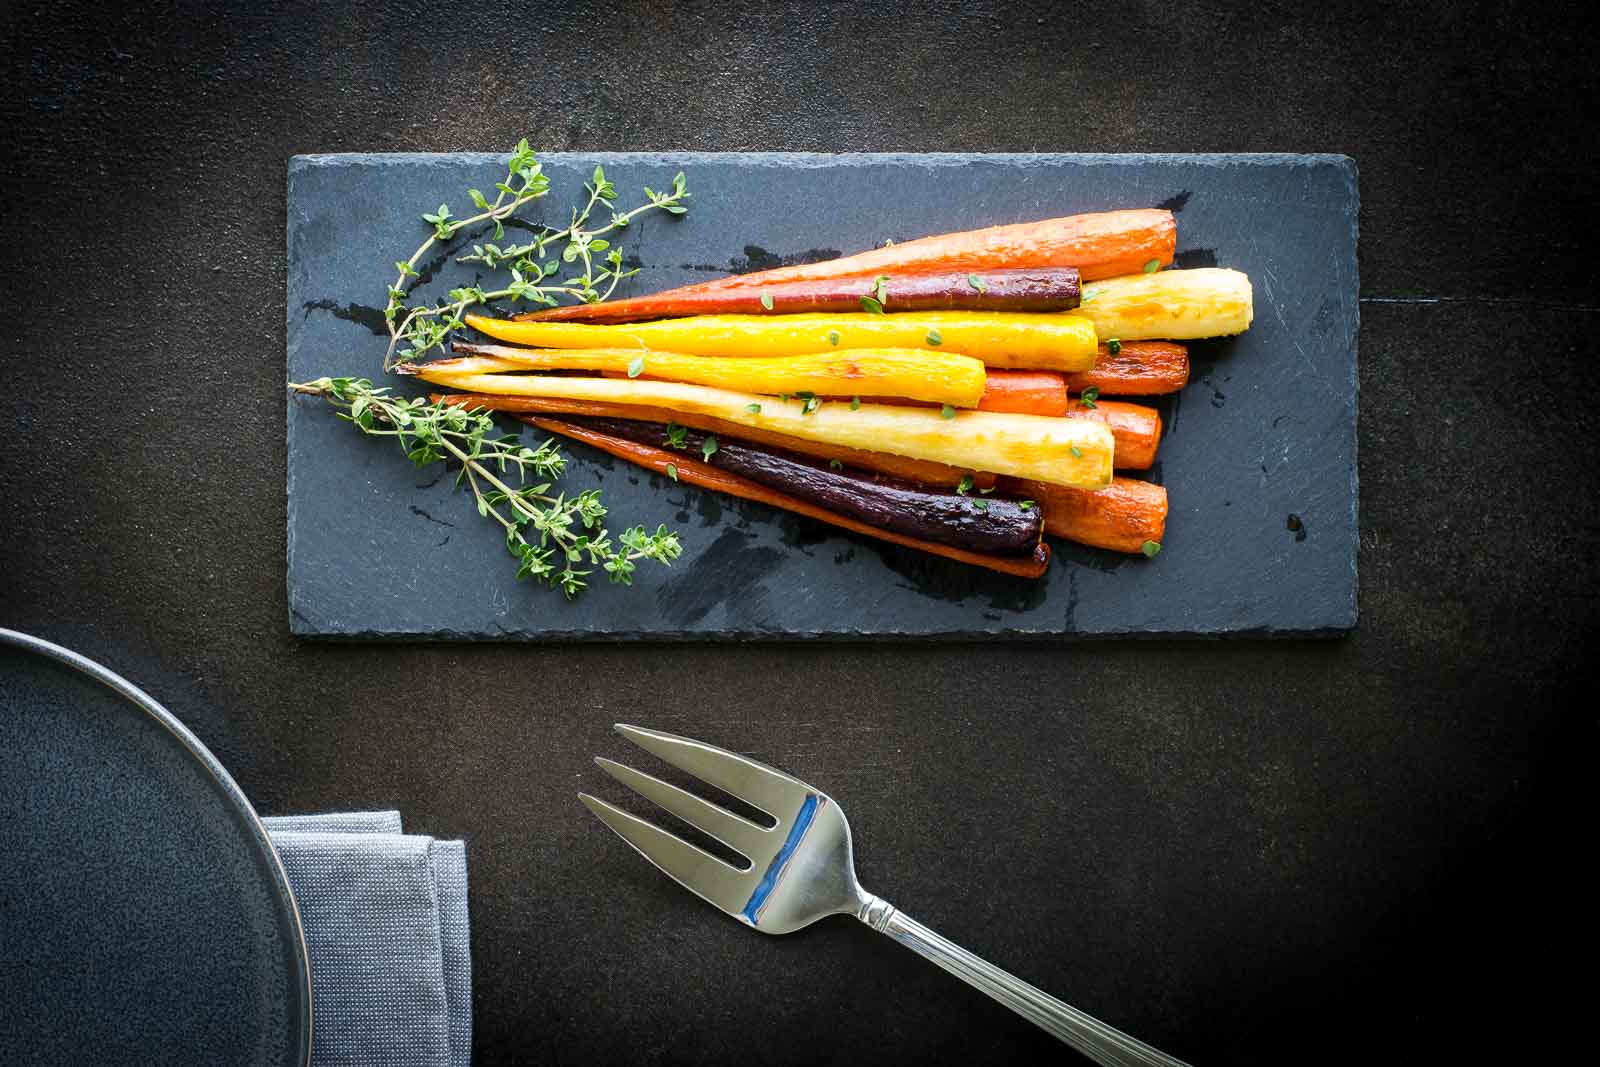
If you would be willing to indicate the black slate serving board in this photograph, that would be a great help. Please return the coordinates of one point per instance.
(1258, 455)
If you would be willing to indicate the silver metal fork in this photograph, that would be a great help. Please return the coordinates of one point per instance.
(802, 870)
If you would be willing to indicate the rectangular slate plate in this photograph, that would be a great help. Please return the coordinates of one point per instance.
(1259, 454)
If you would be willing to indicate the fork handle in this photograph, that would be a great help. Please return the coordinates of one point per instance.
(1106, 1045)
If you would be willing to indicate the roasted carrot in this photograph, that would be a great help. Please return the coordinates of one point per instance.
(693, 472)
(1042, 289)
(1022, 392)
(918, 374)
(1075, 452)
(1025, 392)
(1136, 429)
(1101, 245)
(1140, 368)
(911, 470)
(992, 525)
(1023, 340)
(1172, 305)
(1121, 517)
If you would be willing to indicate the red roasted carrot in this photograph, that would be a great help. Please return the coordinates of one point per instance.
(704, 475)
(1140, 368)
(1136, 429)
(1121, 517)
(1040, 289)
(1101, 245)
(911, 470)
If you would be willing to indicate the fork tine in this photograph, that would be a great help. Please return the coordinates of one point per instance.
(757, 844)
(699, 872)
(756, 784)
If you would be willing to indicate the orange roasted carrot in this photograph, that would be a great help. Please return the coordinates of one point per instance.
(704, 475)
(1136, 429)
(904, 467)
(1140, 368)
(1020, 392)
(1024, 392)
(1121, 517)
(1101, 245)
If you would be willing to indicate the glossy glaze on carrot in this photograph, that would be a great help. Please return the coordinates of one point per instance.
(1139, 368)
(1039, 289)
(694, 472)
(1120, 517)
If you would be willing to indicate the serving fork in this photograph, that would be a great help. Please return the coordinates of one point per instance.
(802, 869)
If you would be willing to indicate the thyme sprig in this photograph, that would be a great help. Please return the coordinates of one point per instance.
(550, 536)
(422, 328)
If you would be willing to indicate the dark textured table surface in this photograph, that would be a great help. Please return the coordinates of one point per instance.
(1319, 852)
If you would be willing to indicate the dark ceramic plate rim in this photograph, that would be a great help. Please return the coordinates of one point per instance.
(192, 744)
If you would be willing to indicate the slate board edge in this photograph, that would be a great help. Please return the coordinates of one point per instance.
(303, 628)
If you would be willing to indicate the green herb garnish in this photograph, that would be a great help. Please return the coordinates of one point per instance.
(754, 409)
(880, 288)
(672, 471)
(1077, 453)
(1114, 347)
(415, 330)
(869, 304)
(1150, 548)
(709, 447)
(855, 403)
(1150, 268)
(965, 486)
(550, 536)
(1088, 295)
(833, 337)
(836, 465)
(934, 338)
(766, 300)
(1026, 505)
(947, 412)
(636, 366)
(677, 436)
(977, 283)
(1089, 396)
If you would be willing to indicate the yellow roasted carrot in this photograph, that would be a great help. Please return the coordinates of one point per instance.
(1075, 452)
(915, 374)
(1173, 305)
(1011, 339)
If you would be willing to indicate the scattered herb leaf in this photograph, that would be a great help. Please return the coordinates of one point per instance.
(1150, 268)
(947, 412)
(1114, 346)
(766, 300)
(636, 366)
(977, 283)
(934, 338)
(1150, 548)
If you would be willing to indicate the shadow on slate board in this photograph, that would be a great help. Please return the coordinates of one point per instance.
(1259, 452)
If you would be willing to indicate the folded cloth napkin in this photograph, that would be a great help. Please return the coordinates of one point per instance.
(385, 918)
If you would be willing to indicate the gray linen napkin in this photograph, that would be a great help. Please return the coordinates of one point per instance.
(385, 918)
